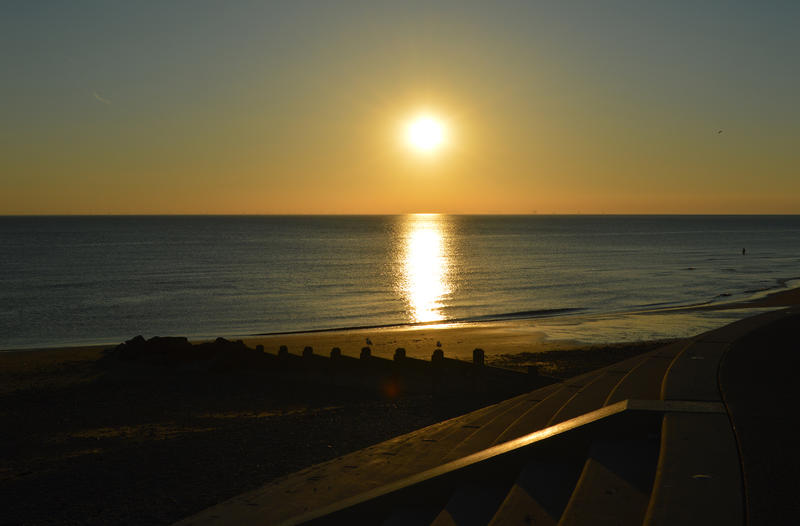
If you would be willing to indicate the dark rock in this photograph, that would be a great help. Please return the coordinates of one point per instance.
(136, 341)
(169, 342)
(220, 354)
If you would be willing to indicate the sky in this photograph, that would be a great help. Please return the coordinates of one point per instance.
(298, 107)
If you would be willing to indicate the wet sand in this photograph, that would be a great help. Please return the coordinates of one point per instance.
(784, 298)
(495, 337)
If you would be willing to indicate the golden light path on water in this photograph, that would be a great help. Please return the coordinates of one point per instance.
(425, 267)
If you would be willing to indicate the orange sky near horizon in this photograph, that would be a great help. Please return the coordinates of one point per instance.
(278, 110)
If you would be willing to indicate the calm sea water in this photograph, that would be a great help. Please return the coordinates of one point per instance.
(75, 280)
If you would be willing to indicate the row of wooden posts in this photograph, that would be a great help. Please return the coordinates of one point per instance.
(366, 353)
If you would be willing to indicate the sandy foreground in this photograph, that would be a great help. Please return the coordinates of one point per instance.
(87, 441)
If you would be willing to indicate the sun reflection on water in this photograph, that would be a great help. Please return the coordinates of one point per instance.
(425, 267)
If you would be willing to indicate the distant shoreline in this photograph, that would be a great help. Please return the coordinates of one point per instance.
(485, 328)
(760, 299)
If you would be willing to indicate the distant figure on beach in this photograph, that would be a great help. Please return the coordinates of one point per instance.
(744, 252)
(369, 342)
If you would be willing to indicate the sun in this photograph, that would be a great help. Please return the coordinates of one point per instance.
(425, 133)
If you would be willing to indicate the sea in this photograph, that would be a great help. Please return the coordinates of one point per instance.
(77, 280)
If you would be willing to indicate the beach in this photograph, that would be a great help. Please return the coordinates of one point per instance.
(502, 337)
(90, 440)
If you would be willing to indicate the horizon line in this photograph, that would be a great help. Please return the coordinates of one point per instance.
(324, 214)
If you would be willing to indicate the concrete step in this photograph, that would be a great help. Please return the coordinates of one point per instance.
(537, 417)
(442, 433)
(699, 465)
(693, 373)
(487, 434)
(592, 395)
(471, 505)
(643, 382)
(699, 479)
(540, 493)
(615, 484)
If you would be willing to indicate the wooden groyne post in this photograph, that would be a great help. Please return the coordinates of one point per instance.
(478, 357)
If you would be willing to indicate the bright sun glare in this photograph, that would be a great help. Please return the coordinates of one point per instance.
(425, 133)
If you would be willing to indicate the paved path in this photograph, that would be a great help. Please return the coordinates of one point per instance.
(758, 380)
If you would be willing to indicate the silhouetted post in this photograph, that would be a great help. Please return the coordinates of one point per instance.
(437, 372)
(260, 348)
(478, 357)
(366, 353)
(308, 352)
(283, 352)
(399, 354)
(336, 353)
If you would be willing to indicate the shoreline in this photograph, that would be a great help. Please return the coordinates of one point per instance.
(498, 335)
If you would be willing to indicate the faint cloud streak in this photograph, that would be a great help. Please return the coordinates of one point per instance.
(101, 99)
